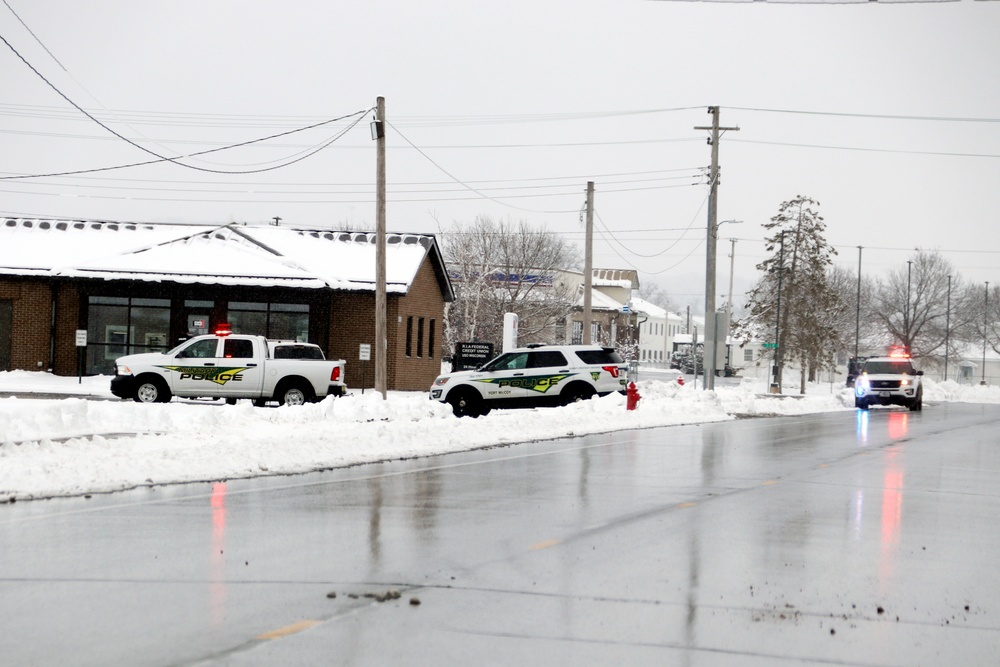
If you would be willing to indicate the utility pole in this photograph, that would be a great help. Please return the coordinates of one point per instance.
(381, 337)
(588, 265)
(713, 233)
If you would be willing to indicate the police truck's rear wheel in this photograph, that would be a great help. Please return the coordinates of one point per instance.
(295, 393)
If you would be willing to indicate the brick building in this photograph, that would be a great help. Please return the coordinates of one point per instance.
(138, 287)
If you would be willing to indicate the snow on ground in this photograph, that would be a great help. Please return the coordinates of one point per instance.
(59, 437)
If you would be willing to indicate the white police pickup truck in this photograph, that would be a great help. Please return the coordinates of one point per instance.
(231, 367)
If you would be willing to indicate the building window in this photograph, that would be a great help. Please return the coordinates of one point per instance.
(577, 332)
(409, 336)
(595, 332)
(747, 354)
(117, 326)
(430, 340)
(420, 337)
(278, 321)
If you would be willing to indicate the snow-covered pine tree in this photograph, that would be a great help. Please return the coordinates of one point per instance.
(798, 264)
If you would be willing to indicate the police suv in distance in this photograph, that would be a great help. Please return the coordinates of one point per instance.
(889, 380)
(533, 376)
(230, 366)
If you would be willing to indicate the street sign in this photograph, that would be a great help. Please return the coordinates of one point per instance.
(81, 338)
(770, 346)
(364, 352)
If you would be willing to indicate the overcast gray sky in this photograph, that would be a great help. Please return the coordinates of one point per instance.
(888, 114)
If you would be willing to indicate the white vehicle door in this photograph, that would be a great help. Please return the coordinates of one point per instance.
(240, 373)
(547, 371)
(504, 377)
(194, 368)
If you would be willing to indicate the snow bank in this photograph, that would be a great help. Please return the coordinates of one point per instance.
(79, 445)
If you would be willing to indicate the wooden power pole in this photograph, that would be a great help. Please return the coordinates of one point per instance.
(588, 265)
(713, 235)
(381, 338)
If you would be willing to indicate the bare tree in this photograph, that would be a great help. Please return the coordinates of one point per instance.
(919, 307)
(501, 266)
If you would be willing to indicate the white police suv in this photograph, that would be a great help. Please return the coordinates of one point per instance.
(533, 376)
(890, 380)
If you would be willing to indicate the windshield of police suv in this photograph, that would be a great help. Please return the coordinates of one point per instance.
(888, 368)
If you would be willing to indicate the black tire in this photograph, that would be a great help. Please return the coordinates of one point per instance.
(576, 392)
(230, 401)
(918, 403)
(151, 389)
(259, 402)
(860, 403)
(294, 393)
(467, 403)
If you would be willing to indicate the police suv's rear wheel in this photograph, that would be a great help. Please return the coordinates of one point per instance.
(151, 390)
(577, 392)
(918, 403)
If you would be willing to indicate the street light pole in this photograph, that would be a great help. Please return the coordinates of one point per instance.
(906, 310)
(986, 323)
(857, 324)
(947, 330)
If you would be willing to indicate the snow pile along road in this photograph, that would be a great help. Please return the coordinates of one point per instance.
(76, 446)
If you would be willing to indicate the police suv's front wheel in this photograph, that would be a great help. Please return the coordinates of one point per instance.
(467, 403)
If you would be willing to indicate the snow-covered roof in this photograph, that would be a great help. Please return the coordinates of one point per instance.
(232, 254)
(627, 278)
(599, 301)
(651, 309)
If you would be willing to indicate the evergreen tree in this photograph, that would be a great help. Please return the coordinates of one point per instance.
(794, 294)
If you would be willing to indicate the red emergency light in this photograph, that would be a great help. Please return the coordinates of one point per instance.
(899, 352)
(223, 330)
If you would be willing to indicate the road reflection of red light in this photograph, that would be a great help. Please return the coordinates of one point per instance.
(898, 424)
(217, 555)
(892, 513)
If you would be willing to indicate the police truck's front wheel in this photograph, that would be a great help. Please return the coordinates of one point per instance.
(151, 390)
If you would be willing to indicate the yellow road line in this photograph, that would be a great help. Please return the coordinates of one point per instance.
(288, 630)
(544, 545)
(684, 506)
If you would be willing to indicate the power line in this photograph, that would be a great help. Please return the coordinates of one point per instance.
(861, 149)
(162, 158)
(359, 114)
(947, 119)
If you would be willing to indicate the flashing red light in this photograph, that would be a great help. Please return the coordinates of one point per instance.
(223, 330)
(899, 352)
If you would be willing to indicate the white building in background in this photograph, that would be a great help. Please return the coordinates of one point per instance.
(658, 329)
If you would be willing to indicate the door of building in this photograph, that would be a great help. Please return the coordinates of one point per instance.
(6, 332)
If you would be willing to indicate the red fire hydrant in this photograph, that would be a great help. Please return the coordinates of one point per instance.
(631, 397)
(680, 380)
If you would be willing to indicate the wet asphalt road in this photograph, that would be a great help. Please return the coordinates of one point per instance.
(833, 539)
